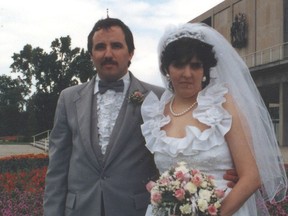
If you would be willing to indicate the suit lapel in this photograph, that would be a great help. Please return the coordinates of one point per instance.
(126, 121)
(83, 102)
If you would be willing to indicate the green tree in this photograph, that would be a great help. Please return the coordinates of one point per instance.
(48, 74)
(12, 105)
(54, 71)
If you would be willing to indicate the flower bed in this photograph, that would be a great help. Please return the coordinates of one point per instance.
(22, 182)
(279, 209)
(23, 162)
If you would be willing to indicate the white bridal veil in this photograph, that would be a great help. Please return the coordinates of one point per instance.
(232, 70)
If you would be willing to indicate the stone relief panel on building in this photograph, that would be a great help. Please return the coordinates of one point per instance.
(239, 31)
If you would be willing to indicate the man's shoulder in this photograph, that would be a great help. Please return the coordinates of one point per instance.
(76, 88)
(158, 90)
(150, 86)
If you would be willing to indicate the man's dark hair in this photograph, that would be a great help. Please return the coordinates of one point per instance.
(108, 23)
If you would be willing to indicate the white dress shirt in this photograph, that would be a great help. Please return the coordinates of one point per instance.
(108, 107)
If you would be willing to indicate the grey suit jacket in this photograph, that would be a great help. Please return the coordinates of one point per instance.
(76, 178)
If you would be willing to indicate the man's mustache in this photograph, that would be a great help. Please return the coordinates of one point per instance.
(109, 61)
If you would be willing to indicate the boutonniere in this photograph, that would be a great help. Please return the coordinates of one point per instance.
(136, 97)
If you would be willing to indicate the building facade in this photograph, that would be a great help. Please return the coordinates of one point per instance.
(258, 30)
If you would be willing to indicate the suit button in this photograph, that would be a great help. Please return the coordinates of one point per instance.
(105, 177)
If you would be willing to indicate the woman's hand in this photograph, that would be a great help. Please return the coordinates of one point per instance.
(231, 176)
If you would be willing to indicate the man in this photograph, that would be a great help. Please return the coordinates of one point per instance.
(97, 156)
(98, 162)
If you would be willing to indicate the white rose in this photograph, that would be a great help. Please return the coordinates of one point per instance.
(183, 169)
(217, 204)
(205, 194)
(182, 163)
(202, 205)
(186, 209)
(213, 182)
(190, 187)
(165, 174)
(204, 184)
(175, 184)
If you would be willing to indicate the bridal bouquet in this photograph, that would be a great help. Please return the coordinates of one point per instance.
(183, 192)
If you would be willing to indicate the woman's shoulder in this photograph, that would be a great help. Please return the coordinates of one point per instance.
(213, 94)
(219, 95)
(152, 111)
(153, 106)
(211, 108)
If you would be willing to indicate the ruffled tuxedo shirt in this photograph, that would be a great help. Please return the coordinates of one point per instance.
(108, 107)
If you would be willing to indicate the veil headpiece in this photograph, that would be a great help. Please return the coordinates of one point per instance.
(173, 36)
(233, 71)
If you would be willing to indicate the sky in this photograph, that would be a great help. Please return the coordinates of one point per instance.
(39, 22)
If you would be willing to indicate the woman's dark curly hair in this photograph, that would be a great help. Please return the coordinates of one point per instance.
(181, 51)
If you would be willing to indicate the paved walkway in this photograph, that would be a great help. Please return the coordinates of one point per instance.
(7, 150)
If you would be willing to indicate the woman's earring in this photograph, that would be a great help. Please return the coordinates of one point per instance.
(168, 77)
(204, 79)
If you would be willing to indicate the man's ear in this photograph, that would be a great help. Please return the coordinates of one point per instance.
(131, 54)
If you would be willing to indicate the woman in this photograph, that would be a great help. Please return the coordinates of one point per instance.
(212, 117)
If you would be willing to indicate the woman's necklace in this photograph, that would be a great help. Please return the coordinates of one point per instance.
(181, 113)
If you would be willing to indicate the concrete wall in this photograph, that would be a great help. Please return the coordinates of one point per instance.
(264, 53)
(264, 19)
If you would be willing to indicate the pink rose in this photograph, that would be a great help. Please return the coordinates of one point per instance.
(210, 177)
(150, 185)
(156, 197)
(179, 175)
(194, 172)
(187, 177)
(136, 97)
(180, 194)
(164, 181)
(197, 180)
(212, 210)
(138, 94)
(219, 193)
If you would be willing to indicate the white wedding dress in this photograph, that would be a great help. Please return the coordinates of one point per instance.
(205, 150)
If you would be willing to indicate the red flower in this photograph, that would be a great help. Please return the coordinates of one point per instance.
(212, 210)
(197, 180)
(156, 197)
(179, 175)
(219, 193)
(150, 185)
(136, 97)
(180, 194)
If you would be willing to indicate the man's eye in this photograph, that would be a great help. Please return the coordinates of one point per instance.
(117, 45)
(100, 47)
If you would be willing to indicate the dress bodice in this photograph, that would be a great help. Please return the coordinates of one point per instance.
(205, 150)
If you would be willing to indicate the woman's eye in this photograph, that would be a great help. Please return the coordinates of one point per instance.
(196, 65)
